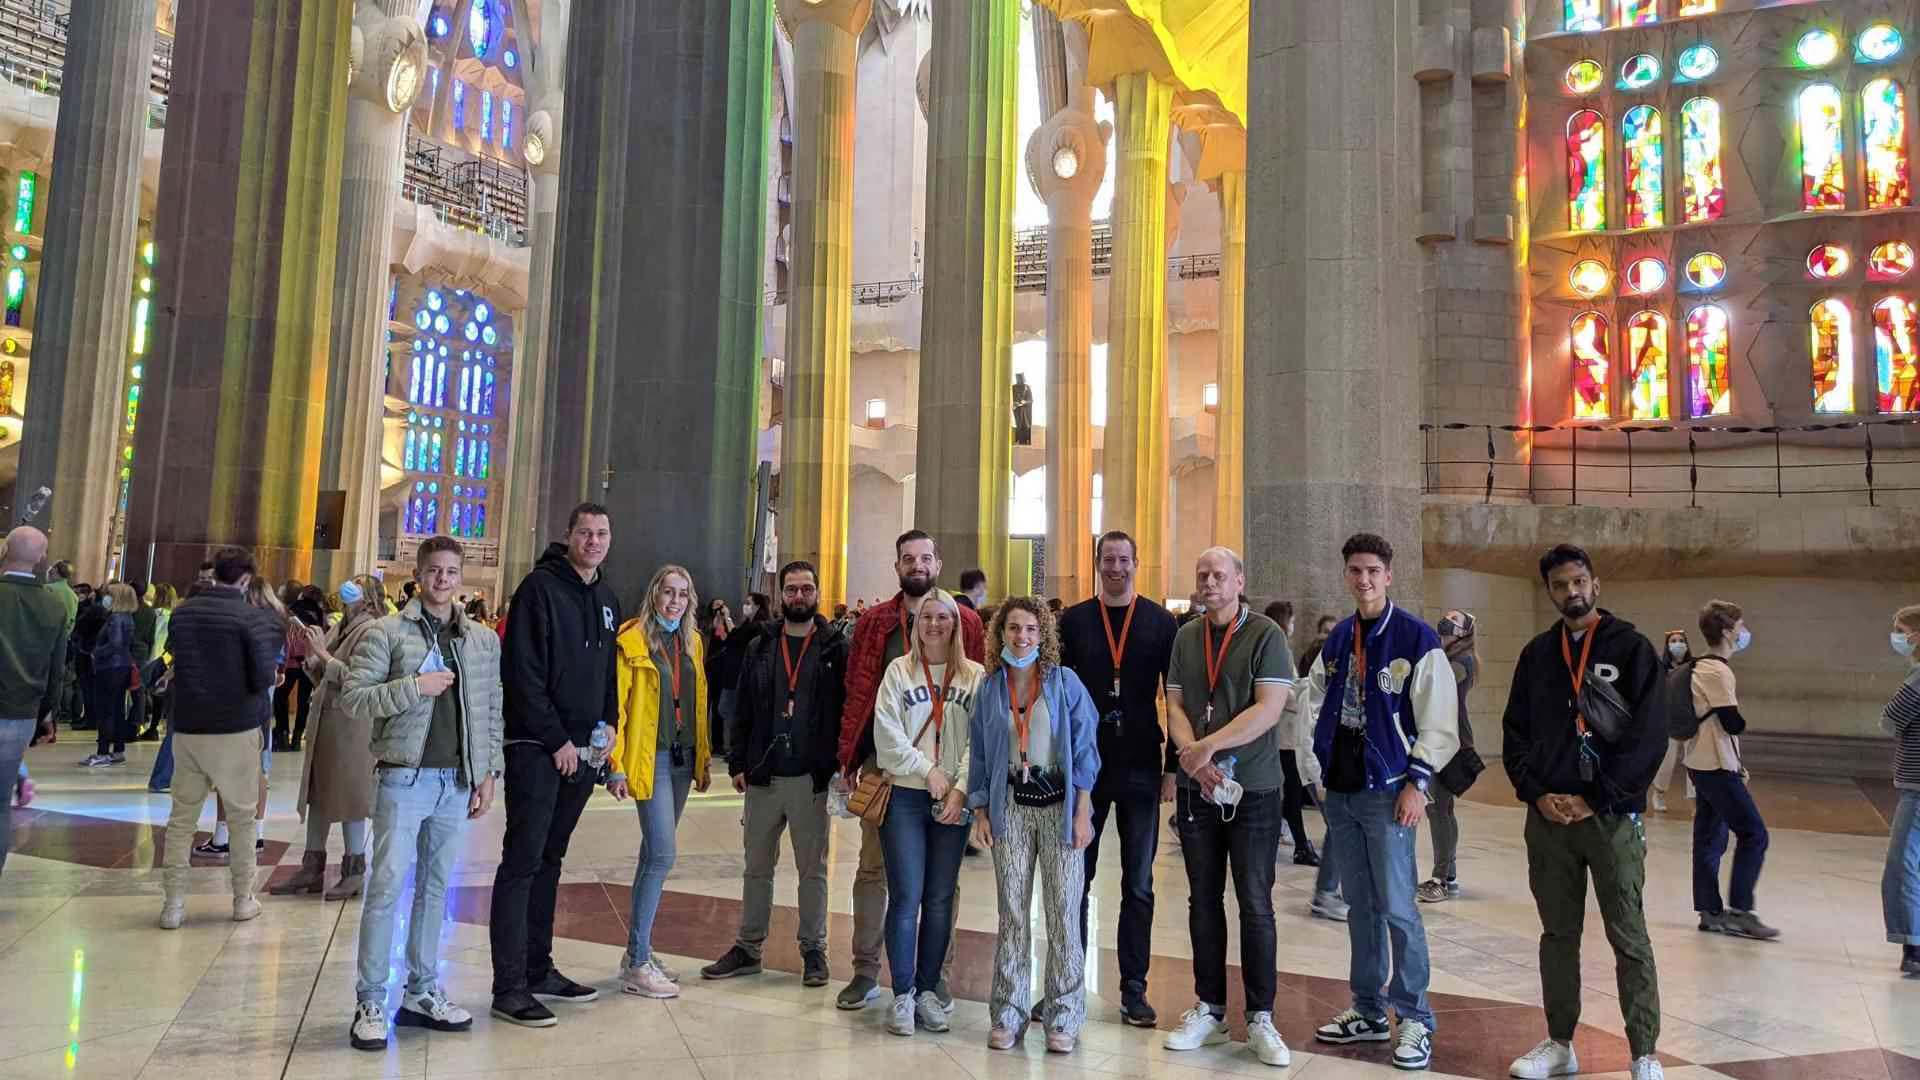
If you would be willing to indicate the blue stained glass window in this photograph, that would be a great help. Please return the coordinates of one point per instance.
(486, 460)
(466, 378)
(480, 26)
(441, 325)
(482, 530)
(460, 457)
(488, 335)
(433, 516)
(407, 459)
(435, 466)
(511, 59)
(440, 388)
(472, 331)
(487, 397)
(422, 320)
(413, 385)
(434, 300)
(459, 107)
(486, 115)
(506, 124)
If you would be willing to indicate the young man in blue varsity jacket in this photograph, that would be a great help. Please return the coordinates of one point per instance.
(1389, 721)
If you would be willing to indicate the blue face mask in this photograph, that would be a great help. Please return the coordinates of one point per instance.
(350, 593)
(1745, 639)
(1018, 662)
(670, 626)
(1902, 644)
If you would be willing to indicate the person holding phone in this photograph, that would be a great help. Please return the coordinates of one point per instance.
(427, 680)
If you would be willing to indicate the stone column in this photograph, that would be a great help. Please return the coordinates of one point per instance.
(228, 448)
(531, 420)
(656, 290)
(82, 334)
(815, 458)
(386, 34)
(1067, 157)
(1135, 470)
(1333, 372)
(1229, 428)
(964, 457)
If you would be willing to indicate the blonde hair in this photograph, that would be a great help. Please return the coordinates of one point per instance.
(1049, 633)
(124, 602)
(1908, 617)
(650, 606)
(917, 643)
(261, 595)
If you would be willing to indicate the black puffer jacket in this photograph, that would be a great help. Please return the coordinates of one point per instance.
(759, 711)
(559, 655)
(224, 655)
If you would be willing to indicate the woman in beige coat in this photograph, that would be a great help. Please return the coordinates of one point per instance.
(336, 780)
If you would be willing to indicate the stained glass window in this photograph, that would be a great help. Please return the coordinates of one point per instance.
(1830, 348)
(434, 462)
(1696, 62)
(1708, 376)
(1639, 72)
(1894, 351)
(1589, 277)
(23, 203)
(466, 380)
(486, 398)
(1828, 261)
(1584, 76)
(1584, 15)
(16, 294)
(1647, 366)
(486, 116)
(1817, 48)
(1646, 275)
(480, 26)
(1877, 43)
(506, 124)
(1640, 136)
(1823, 180)
(1586, 171)
(459, 105)
(1890, 261)
(1698, 7)
(1702, 184)
(1883, 140)
(1639, 12)
(440, 384)
(1589, 347)
(1706, 270)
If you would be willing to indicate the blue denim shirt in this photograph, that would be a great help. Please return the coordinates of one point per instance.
(1073, 722)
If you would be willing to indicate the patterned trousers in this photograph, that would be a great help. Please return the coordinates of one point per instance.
(1032, 838)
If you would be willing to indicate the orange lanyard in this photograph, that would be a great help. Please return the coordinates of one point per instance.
(1118, 648)
(674, 673)
(939, 700)
(1215, 663)
(1360, 659)
(1022, 715)
(793, 665)
(1578, 674)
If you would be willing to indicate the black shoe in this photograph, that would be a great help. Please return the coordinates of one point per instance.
(813, 967)
(557, 987)
(972, 851)
(149, 735)
(293, 746)
(858, 993)
(519, 1007)
(1304, 855)
(212, 850)
(736, 961)
(1910, 959)
(1134, 1010)
(279, 743)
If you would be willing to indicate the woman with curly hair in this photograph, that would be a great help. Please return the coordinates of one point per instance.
(1033, 760)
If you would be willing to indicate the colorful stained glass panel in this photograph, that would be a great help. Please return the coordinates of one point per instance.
(1696, 62)
(1706, 270)
(1589, 347)
(1894, 351)
(1817, 48)
(1639, 12)
(1589, 277)
(1640, 136)
(1830, 349)
(1877, 43)
(1640, 71)
(1828, 261)
(1646, 275)
(1890, 261)
(1702, 184)
(1647, 366)
(1584, 15)
(1883, 138)
(1823, 180)
(1586, 171)
(1708, 376)
(1584, 76)
(1698, 7)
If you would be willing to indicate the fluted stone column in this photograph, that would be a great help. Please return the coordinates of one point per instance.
(1333, 371)
(228, 447)
(531, 415)
(386, 33)
(77, 384)
(656, 295)
(964, 457)
(1135, 486)
(815, 458)
(1067, 156)
(1229, 430)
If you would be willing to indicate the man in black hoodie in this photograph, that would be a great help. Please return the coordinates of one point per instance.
(1586, 788)
(558, 667)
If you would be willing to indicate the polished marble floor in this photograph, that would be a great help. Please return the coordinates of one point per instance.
(97, 990)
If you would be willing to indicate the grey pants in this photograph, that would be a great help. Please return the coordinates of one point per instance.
(1032, 842)
(788, 803)
(1446, 834)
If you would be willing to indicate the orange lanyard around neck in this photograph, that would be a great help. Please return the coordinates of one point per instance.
(1023, 713)
(1577, 673)
(674, 674)
(1117, 647)
(793, 664)
(939, 699)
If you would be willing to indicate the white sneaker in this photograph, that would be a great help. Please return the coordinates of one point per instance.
(1197, 1028)
(432, 1011)
(648, 981)
(1265, 1040)
(172, 914)
(369, 1030)
(1658, 801)
(900, 1021)
(929, 1013)
(1647, 1068)
(245, 908)
(1414, 1050)
(1328, 906)
(1548, 1059)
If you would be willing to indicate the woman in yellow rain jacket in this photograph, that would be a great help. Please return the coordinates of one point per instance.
(659, 752)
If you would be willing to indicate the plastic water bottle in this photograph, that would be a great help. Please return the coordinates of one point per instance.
(600, 746)
(837, 792)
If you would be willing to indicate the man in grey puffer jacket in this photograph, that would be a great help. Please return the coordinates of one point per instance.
(428, 680)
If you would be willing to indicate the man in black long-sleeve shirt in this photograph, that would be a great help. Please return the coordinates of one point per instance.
(1119, 643)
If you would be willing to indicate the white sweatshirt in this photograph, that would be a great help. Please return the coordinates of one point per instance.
(903, 707)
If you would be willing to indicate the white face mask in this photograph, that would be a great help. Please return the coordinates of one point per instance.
(1676, 649)
(1901, 643)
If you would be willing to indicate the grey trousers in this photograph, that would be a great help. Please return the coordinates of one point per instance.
(1445, 827)
(788, 804)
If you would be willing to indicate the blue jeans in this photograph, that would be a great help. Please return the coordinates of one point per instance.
(1378, 872)
(659, 816)
(923, 869)
(14, 737)
(1900, 883)
(1327, 881)
(418, 814)
(162, 776)
(1722, 804)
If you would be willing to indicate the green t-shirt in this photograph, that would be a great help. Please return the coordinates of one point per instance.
(663, 663)
(442, 750)
(1258, 655)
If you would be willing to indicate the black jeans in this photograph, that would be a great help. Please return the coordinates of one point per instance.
(297, 690)
(106, 693)
(542, 809)
(1722, 804)
(1247, 842)
(1293, 799)
(1136, 795)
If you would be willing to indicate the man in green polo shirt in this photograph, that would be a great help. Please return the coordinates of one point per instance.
(1228, 684)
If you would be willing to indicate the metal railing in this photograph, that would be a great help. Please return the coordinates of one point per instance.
(478, 194)
(1667, 463)
(33, 49)
(1029, 269)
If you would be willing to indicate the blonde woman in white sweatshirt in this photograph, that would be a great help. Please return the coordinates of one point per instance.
(920, 721)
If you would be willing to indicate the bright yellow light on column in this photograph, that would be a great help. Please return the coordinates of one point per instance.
(876, 412)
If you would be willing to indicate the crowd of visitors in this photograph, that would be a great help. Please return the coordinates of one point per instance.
(944, 724)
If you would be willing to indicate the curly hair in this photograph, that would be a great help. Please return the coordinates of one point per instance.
(1049, 633)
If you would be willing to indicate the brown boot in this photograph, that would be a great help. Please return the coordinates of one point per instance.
(353, 875)
(310, 878)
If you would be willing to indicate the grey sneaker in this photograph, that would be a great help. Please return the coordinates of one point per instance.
(930, 1013)
(900, 1020)
(1436, 891)
(245, 909)
(1713, 922)
(369, 1028)
(1747, 925)
(1329, 906)
(172, 914)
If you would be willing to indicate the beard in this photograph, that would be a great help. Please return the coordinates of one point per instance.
(916, 586)
(1578, 607)
(797, 613)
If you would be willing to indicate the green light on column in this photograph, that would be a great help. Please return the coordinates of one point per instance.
(140, 310)
(19, 252)
(146, 252)
(16, 287)
(23, 204)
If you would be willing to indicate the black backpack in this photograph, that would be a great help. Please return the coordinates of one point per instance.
(1682, 724)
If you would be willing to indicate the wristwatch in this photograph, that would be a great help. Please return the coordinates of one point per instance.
(1421, 784)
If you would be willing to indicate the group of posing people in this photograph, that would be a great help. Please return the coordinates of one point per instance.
(1022, 736)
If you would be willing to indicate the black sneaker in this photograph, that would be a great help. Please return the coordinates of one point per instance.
(519, 1007)
(1352, 1026)
(734, 961)
(1135, 1011)
(557, 987)
(1910, 959)
(813, 967)
(858, 993)
(1304, 855)
(212, 850)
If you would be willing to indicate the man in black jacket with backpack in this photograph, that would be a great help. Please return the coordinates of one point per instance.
(1585, 729)
(784, 740)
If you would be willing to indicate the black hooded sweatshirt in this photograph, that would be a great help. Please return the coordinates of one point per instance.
(558, 661)
(1542, 748)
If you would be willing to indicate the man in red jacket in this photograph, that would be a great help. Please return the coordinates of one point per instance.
(879, 637)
